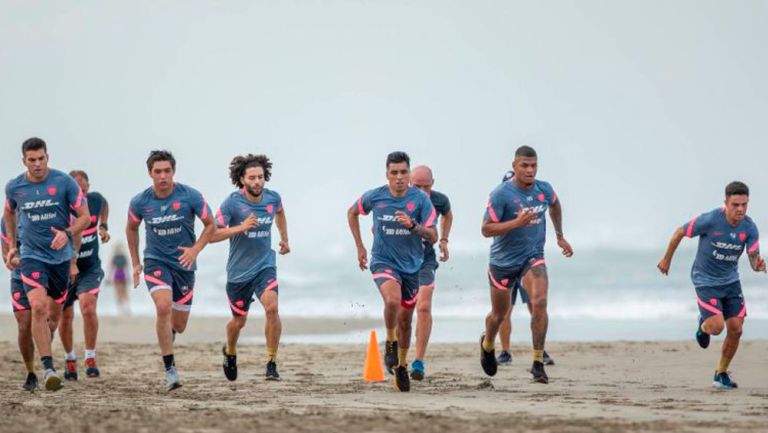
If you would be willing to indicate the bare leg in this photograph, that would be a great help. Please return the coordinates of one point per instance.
(538, 301)
(90, 319)
(423, 320)
(163, 300)
(272, 326)
(26, 345)
(731, 342)
(234, 326)
(65, 328)
(500, 305)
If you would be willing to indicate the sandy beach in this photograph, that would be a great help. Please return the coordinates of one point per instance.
(594, 387)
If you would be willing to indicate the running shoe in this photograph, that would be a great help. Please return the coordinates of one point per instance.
(723, 381)
(702, 337)
(31, 383)
(504, 358)
(417, 370)
(488, 359)
(402, 382)
(272, 373)
(90, 368)
(70, 369)
(172, 379)
(52, 380)
(390, 355)
(548, 359)
(539, 375)
(230, 364)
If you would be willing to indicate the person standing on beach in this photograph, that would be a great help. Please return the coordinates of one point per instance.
(516, 219)
(22, 312)
(505, 330)
(245, 218)
(85, 287)
(724, 234)
(118, 277)
(168, 210)
(421, 177)
(44, 198)
(403, 217)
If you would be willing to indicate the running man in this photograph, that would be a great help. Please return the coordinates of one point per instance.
(44, 198)
(505, 331)
(422, 178)
(21, 311)
(245, 218)
(403, 217)
(724, 233)
(168, 210)
(86, 284)
(516, 219)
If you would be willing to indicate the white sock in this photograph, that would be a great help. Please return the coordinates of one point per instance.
(71, 356)
(90, 353)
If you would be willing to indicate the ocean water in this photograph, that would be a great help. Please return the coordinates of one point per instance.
(602, 294)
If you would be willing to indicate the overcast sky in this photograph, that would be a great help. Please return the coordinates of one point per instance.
(641, 111)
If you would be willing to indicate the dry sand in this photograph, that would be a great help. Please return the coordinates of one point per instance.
(594, 387)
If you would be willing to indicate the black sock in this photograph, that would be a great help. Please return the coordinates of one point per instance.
(168, 361)
(47, 362)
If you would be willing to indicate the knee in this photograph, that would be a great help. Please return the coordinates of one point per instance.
(392, 302)
(68, 314)
(404, 320)
(163, 307)
(538, 305)
(270, 310)
(179, 327)
(424, 308)
(39, 309)
(88, 309)
(735, 330)
(716, 328)
(238, 322)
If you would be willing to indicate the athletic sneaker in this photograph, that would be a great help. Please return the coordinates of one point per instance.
(548, 359)
(272, 373)
(488, 359)
(539, 375)
(52, 380)
(172, 379)
(31, 383)
(723, 381)
(90, 368)
(230, 364)
(402, 382)
(390, 355)
(70, 369)
(504, 358)
(417, 370)
(702, 337)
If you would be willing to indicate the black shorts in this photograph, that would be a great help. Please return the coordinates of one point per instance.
(241, 295)
(161, 276)
(54, 278)
(409, 283)
(726, 301)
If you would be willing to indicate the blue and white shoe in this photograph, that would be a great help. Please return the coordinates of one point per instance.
(172, 379)
(723, 381)
(417, 370)
(504, 357)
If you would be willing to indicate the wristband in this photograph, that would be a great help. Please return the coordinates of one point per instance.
(69, 234)
(444, 240)
(104, 226)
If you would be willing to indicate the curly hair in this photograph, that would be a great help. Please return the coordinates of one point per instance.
(241, 163)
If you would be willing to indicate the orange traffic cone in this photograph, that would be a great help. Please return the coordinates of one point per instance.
(373, 372)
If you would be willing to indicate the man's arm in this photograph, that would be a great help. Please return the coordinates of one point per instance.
(223, 233)
(9, 217)
(490, 228)
(556, 214)
(132, 236)
(81, 222)
(445, 230)
(282, 227)
(757, 262)
(666, 261)
(189, 254)
(353, 218)
(103, 222)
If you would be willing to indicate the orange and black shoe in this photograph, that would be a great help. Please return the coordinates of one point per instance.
(70, 369)
(90, 368)
(229, 365)
(539, 375)
(402, 382)
(31, 383)
(390, 356)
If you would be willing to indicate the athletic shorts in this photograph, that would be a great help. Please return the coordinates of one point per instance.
(162, 276)
(87, 281)
(427, 274)
(409, 283)
(18, 295)
(505, 278)
(53, 277)
(241, 295)
(523, 293)
(727, 301)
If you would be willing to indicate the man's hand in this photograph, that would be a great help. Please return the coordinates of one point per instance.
(73, 271)
(404, 219)
(248, 223)
(664, 265)
(60, 239)
(12, 260)
(444, 250)
(104, 235)
(362, 257)
(188, 256)
(565, 246)
(759, 264)
(524, 217)
(137, 268)
(284, 248)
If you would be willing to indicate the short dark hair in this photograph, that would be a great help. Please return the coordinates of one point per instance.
(736, 188)
(241, 163)
(398, 157)
(160, 155)
(33, 143)
(525, 152)
(80, 173)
